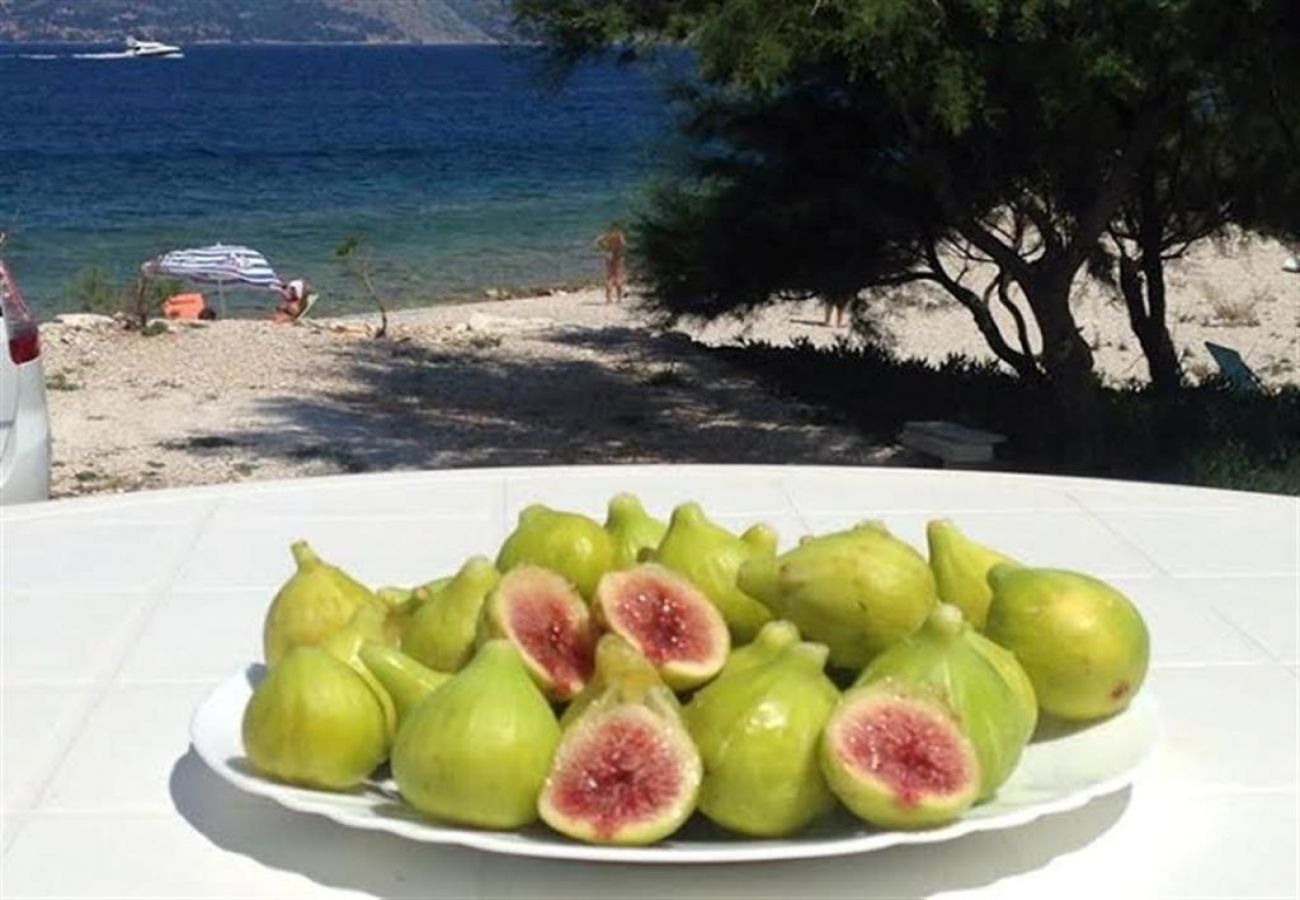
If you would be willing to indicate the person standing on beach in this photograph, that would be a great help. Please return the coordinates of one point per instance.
(614, 243)
(836, 304)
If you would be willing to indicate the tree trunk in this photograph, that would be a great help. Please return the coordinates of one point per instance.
(1144, 295)
(1067, 360)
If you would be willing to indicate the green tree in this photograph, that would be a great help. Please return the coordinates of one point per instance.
(999, 149)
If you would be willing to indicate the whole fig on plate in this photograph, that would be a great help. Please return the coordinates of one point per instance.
(667, 619)
(856, 591)
(405, 680)
(313, 721)
(961, 567)
(442, 629)
(317, 600)
(710, 556)
(1082, 643)
(757, 729)
(543, 615)
(898, 758)
(476, 751)
(948, 660)
(625, 771)
(633, 529)
(564, 542)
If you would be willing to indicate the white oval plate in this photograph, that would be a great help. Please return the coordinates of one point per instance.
(1058, 772)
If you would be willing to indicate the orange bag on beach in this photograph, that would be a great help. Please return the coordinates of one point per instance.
(184, 306)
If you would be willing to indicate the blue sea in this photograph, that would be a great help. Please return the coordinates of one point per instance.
(459, 166)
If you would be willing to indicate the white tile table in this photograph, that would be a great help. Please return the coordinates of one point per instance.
(118, 614)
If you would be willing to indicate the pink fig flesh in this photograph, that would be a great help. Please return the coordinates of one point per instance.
(622, 778)
(668, 620)
(913, 754)
(544, 616)
(899, 761)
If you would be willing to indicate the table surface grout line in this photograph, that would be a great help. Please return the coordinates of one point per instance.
(1128, 542)
(105, 680)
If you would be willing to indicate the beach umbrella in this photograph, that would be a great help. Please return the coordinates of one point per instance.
(219, 264)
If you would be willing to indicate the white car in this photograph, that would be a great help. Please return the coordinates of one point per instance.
(24, 416)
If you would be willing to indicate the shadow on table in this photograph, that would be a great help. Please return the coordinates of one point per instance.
(388, 865)
(327, 853)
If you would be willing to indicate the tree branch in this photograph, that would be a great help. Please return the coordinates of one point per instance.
(1022, 328)
(1093, 223)
(1025, 365)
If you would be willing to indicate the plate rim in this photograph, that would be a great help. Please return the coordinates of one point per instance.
(509, 843)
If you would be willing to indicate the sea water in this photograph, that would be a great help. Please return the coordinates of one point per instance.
(462, 167)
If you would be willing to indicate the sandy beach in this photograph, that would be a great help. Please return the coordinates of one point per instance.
(561, 378)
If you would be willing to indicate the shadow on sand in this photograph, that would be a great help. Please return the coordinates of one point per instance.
(604, 395)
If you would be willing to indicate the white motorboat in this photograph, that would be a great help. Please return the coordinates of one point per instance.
(151, 50)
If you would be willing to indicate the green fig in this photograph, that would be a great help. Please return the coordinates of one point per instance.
(404, 603)
(1082, 643)
(442, 630)
(943, 660)
(625, 771)
(476, 751)
(710, 556)
(345, 645)
(405, 680)
(857, 591)
(961, 569)
(314, 721)
(1012, 673)
(633, 529)
(567, 543)
(317, 600)
(401, 604)
(898, 758)
(757, 729)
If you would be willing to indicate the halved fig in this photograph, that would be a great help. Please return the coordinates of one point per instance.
(544, 616)
(668, 620)
(898, 759)
(626, 771)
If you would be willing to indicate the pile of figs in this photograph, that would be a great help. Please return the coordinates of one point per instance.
(612, 680)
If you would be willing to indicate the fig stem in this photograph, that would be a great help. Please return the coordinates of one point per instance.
(303, 554)
(813, 656)
(777, 634)
(946, 619)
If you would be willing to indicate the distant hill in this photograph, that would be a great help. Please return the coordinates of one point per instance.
(251, 21)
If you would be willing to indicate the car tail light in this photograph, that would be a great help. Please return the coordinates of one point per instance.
(24, 337)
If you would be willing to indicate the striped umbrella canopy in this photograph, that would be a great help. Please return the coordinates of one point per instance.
(219, 264)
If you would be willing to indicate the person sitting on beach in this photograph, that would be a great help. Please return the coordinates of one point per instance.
(614, 243)
(295, 299)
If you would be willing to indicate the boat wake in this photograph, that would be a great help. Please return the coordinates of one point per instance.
(124, 56)
(112, 54)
